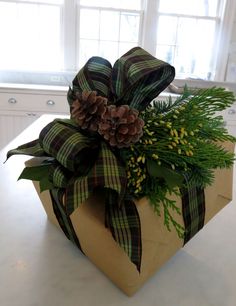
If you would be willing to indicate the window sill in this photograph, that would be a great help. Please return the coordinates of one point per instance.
(192, 83)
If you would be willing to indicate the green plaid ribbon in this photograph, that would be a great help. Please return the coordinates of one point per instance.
(63, 141)
(136, 78)
(63, 219)
(82, 162)
(124, 224)
(107, 172)
(193, 207)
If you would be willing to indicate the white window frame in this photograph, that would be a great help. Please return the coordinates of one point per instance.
(222, 41)
(101, 9)
(225, 32)
(147, 34)
(71, 37)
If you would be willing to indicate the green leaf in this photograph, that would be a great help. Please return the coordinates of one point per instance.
(171, 177)
(35, 173)
(45, 184)
(38, 173)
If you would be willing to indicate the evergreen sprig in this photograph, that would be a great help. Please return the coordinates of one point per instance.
(181, 138)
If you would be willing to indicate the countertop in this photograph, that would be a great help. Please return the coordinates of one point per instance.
(40, 267)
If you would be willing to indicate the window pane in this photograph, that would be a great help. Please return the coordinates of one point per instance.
(194, 52)
(192, 7)
(109, 50)
(125, 47)
(43, 1)
(167, 30)
(191, 54)
(129, 29)
(124, 4)
(109, 27)
(89, 23)
(88, 48)
(165, 53)
(115, 32)
(28, 43)
(186, 31)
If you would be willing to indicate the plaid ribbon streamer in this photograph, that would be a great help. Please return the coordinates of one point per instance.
(193, 207)
(107, 173)
(124, 224)
(62, 218)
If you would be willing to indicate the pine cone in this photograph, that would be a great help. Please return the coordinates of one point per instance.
(121, 126)
(88, 109)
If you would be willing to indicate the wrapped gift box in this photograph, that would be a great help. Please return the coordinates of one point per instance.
(158, 244)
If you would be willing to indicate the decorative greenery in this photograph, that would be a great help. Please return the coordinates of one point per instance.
(181, 140)
(116, 141)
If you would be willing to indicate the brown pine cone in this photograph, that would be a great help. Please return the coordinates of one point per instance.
(88, 109)
(121, 126)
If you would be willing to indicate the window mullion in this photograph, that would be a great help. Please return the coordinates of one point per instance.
(224, 36)
(187, 16)
(109, 9)
(70, 35)
(149, 32)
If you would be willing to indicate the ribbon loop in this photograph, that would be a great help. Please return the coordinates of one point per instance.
(59, 175)
(138, 78)
(95, 75)
(65, 144)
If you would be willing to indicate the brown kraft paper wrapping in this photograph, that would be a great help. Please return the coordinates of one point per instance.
(158, 244)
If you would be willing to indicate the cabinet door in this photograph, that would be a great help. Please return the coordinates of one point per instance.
(45, 103)
(12, 124)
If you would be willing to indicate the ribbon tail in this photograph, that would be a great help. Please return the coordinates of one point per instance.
(62, 218)
(193, 207)
(125, 227)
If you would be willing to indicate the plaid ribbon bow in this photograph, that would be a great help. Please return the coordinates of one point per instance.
(135, 79)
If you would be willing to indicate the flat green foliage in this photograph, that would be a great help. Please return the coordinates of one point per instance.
(181, 138)
(40, 173)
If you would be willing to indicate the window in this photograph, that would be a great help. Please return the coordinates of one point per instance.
(52, 39)
(30, 33)
(187, 35)
(109, 30)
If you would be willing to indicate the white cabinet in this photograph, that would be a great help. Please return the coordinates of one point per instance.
(12, 124)
(20, 106)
